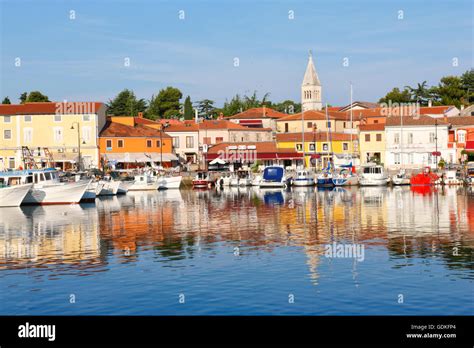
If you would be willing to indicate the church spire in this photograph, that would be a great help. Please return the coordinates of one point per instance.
(310, 76)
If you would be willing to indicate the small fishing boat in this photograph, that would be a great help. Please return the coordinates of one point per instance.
(256, 179)
(144, 182)
(12, 190)
(168, 182)
(124, 186)
(451, 177)
(273, 177)
(241, 178)
(303, 178)
(401, 178)
(346, 176)
(202, 180)
(373, 175)
(425, 178)
(469, 179)
(92, 192)
(110, 186)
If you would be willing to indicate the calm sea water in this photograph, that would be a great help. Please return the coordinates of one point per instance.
(242, 252)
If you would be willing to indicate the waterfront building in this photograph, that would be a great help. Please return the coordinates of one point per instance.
(372, 143)
(338, 122)
(311, 90)
(185, 141)
(318, 147)
(263, 117)
(461, 137)
(58, 134)
(417, 139)
(212, 132)
(125, 142)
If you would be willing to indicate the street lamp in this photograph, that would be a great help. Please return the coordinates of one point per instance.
(79, 163)
(165, 125)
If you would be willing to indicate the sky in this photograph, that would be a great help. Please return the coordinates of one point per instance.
(375, 45)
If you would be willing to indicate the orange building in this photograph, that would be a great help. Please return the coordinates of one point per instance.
(130, 142)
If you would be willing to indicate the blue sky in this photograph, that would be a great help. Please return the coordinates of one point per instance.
(83, 59)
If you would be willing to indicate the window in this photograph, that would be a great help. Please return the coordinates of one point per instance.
(149, 143)
(189, 142)
(430, 158)
(7, 119)
(27, 135)
(286, 127)
(329, 124)
(397, 158)
(432, 137)
(27, 118)
(108, 144)
(257, 137)
(57, 118)
(410, 138)
(221, 139)
(58, 134)
(120, 143)
(86, 133)
(376, 121)
(207, 140)
(325, 147)
(378, 137)
(158, 143)
(11, 162)
(344, 124)
(396, 138)
(86, 118)
(7, 134)
(175, 142)
(299, 147)
(367, 137)
(309, 125)
(461, 136)
(312, 147)
(345, 146)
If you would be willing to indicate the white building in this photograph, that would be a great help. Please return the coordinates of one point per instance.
(185, 141)
(412, 141)
(311, 88)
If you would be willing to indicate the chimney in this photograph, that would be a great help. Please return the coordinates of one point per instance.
(140, 114)
(430, 103)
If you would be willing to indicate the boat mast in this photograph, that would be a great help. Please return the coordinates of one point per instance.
(401, 138)
(302, 136)
(329, 134)
(352, 145)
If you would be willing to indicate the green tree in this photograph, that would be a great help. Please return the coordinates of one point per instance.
(6, 100)
(467, 81)
(449, 91)
(126, 104)
(206, 108)
(234, 106)
(36, 96)
(288, 107)
(420, 93)
(188, 109)
(23, 97)
(397, 96)
(165, 104)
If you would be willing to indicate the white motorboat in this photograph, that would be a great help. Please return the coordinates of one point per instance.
(168, 182)
(124, 186)
(256, 180)
(401, 178)
(144, 182)
(273, 177)
(345, 177)
(241, 178)
(224, 180)
(92, 192)
(12, 191)
(452, 177)
(303, 178)
(110, 187)
(373, 175)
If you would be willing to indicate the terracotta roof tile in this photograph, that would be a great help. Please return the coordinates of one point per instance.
(258, 113)
(315, 115)
(114, 129)
(422, 120)
(372, 127)
(314, 136)
(461, 120)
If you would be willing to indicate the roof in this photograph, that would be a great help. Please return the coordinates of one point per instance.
(51, 108)
(114, 129)
(314, 136)
(422, 120)
(461, 120)
(224, 124)
(315, 115)
(364, 104)
(360, 113)
(262, 112)
(372, 127)
(310, 75)
(435, 110)
(260, 146)
(184, 127)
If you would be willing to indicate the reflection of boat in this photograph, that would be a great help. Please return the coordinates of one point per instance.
(373, 175)
(202, 180)
(273, 176)
(425, 178)
(422, 189)
(303, 178)
(401, 178)
(12, 190)
(346, 176)
(273, 197)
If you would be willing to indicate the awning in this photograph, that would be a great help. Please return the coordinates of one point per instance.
(63, 157)
(469, 145)
(133, 157)
(252, 123)
(217, 161)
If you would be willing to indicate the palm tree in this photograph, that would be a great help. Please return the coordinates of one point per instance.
(419, 93)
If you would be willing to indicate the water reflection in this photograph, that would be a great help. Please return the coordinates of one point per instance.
(182, 229)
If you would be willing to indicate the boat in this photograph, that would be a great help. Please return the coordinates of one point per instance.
(451, 177)
(92, 192)
(273, 177)
(401, 178)
(110, 186)
(303, 178)
(425, 178)
(256, 179)
(12, 190)
(346, 176)
(241, 178)
(202, 180)
(48, 189)
(469, 179)
(144, 182)
(168, 182)
(373, 175)
(124, 186)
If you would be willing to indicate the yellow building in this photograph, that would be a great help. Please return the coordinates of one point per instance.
(318, 146)
(54, 133)
(372, 143)
(315, 120)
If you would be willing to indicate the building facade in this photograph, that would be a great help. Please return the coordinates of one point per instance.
(372, 143)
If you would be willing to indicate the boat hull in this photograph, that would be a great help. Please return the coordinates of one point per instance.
(172, 182)
(109, 188)
(201, 184)
(400, 181)
(303, 182)
(325, 182)
(124, 187)
(348, 181)
(13, 196)
(373, 182)
(66, 193)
